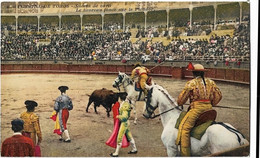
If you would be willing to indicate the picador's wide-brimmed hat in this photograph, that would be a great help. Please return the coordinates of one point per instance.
(196, 67)
(63, 88)
(136, 65)
(31, 103)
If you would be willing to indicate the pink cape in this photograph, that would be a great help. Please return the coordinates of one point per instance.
(112, 141)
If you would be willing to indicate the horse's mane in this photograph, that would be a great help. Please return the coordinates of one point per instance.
(167, 95)
(128, 78)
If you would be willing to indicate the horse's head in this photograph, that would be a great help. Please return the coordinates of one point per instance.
(119, 80)
(158, 96)
(149, 108)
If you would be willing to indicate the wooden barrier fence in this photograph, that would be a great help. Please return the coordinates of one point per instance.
(219, 74)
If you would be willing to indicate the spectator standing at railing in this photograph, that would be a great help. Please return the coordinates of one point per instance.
(227, 62)
(238, 63)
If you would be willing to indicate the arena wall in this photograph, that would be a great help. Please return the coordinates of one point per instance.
(220, 74)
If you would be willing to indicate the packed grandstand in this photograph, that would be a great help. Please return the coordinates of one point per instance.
(182, 31)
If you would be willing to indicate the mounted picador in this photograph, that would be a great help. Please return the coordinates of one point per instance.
(143, 77)
(192, 133)
(203, 94)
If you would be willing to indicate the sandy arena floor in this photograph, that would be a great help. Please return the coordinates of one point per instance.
(90, 131)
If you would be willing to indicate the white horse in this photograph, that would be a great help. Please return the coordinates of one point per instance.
(216, 138)
(129, 87)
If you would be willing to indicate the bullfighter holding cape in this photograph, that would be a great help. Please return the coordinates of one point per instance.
(112, 141)
(62, 106)
(123, 131)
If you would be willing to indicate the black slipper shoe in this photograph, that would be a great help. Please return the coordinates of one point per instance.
(67, 141)
(113, 155)
(132, 152)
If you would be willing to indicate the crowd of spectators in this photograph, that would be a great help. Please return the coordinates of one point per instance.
(7, 27)
(161, 31)
(118, 46)
(75, 46)
(92, 27)
(48, 28)
(64, 27)
(218, 47)
(200, 28)
(112, 26)
(28, 27)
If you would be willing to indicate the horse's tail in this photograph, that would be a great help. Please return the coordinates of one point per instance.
(244, 142)
(240, 137)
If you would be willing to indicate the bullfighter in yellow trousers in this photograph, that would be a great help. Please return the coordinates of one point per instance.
(203, 94)
(124, 114)
(31, 122)
(142, 72)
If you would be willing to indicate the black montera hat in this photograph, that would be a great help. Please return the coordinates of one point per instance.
(17, 125)
(63, 88)
(31, 103)
(17, 122)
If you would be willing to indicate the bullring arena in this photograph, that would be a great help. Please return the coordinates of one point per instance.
(39, 79)
(89, 131)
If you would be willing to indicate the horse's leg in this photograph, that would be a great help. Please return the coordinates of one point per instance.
(168, 138)
(134, 109)
(171, 151)
(144, 108)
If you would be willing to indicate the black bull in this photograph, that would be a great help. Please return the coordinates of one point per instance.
(106, 98)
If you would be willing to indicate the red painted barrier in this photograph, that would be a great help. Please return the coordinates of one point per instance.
(55, 67)
(247, 76)
(63, 67)
(7, 67)
(211, 73)
(220, 73)
(129, 69)
(177, 72)
(239, 75)
(18, 67)
(27, 67)
(46, 67)
(103, 68)
(120, 68)
(36, 67)
(230, 75)
(167, 70)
